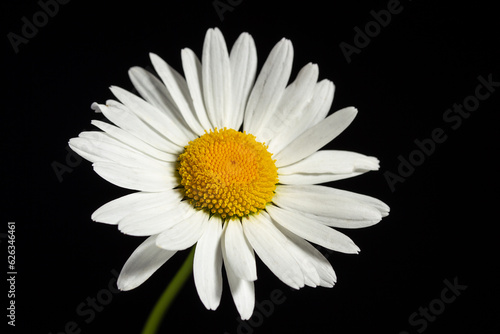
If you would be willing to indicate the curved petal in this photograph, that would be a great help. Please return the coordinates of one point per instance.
(302, 178)
(326, 166)
(150, 179)
(285, 120)
(167, 127)
(320, 104)
(243, 292)
(309, 253)
(97, 146)
(269, 86)
(143, 262)
(330, 194)
(179, 91)
(120, 115)
(185, 233)
(315, 137)
(192, 70)
(216, 78)
(240, 257)
(311, 275)
(243, 59)
(336, 221)
(154, 91)
(312, 231)
(271, 247)
(329, 202)
(155, 220)
(117, 209)
(207, 265)
(331, 161)
(134, 142)
(312, 113)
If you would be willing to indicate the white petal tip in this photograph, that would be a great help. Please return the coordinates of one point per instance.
(95, 106)
(164, 245)
(367, 164)
(384, 210)
(351, 111)
(245, 35)
(154, 58)
(352, 249)
(211, 305)
(102, 220)
(124, 285)
(246, 316)
(134, 71)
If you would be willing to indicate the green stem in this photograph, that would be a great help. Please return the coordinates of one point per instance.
(168, 296)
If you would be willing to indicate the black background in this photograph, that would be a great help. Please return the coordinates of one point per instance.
(441, 225)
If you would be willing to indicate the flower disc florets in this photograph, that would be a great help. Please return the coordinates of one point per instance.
(228, 173)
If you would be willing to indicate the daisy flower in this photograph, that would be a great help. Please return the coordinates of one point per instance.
(229, 161)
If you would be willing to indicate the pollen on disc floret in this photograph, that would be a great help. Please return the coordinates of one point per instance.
(228, 173)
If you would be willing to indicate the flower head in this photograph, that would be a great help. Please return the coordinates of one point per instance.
(229, 161)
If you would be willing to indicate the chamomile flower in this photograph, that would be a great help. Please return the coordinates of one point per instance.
(229, 161)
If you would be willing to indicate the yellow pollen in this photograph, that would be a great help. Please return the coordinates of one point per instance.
(228, 173)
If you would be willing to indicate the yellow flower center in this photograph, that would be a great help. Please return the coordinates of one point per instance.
(228, 173)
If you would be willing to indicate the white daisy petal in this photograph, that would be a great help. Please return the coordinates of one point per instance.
(121, 116)
(302, 178)
(192, 70)
(271, 247)
(338, 222)
(136, 178)
(328, 203)
(320, 104)
(243, 292)
(285, 121)
(154, 91)
(303, 259)
(269, 86)
(143, 262)
(312, 231)
(239, 253)
(166, 126)
(337, 164)
(316, 137)
(315, 110)
(179, 91)
(333, 194)
(134, 142)
(216, 78)
(207, 265)
(185, 233)
(97, 146)
(115, 210)
(154, 220)
(327, 166)
(243, 58)
(327, 277)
